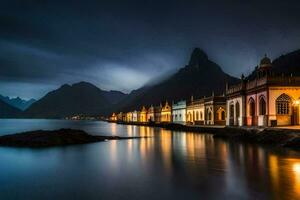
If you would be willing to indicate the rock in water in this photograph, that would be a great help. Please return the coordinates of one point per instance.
(61, 137)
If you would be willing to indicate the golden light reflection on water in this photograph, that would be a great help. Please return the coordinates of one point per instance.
(166, 148)
(114, 129)
(274, 172)
(296, 171)
(249, 167)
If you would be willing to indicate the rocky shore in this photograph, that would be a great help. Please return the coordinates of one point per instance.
(269, 136)
(61, 137)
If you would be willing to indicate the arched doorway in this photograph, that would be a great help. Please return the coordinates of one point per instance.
(252, 113)
(262, 106)
(223, 116)
(231, 114)
(237, 113)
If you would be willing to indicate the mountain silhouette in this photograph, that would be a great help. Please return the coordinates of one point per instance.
(80, 98)
(199, 78)
(8, 111)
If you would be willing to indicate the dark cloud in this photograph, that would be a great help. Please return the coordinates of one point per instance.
(123, 44)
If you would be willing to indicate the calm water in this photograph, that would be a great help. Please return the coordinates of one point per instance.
(169, 165)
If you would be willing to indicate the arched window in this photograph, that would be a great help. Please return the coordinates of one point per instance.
(283, 103)
(209, 115)
(201, 115)
(197, 115)
(251, 107)
(231, 111)
(262, 106)
(237, 109)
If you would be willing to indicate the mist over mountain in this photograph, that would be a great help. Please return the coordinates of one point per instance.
(17, 102)
(199, 77)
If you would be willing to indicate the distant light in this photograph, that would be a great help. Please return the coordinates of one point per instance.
(296, 168)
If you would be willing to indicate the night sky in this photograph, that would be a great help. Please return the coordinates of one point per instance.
(121, 45)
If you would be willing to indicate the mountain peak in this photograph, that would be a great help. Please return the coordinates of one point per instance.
(198, 57)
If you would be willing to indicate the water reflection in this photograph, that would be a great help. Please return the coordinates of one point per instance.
(296, 170)
(166, 165)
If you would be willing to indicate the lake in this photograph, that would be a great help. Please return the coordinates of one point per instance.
(168, 165)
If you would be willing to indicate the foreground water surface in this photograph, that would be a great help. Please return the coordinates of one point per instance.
(168, 165)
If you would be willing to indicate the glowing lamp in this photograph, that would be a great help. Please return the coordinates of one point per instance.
(297, 102)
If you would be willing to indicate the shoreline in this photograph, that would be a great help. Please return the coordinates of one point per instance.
(288, 138)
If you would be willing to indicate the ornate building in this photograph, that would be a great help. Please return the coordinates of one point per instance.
(135, 116)
(143, 115)
(215, 110)
(121, 116)
(150, 114)
(207, 111)
(267, 99)
(129, 117)
(166, 113)
(179, 112)
(195, 111)
(113, 117)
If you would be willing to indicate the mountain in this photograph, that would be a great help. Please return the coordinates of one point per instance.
(288, 63)
(285, 64)
(114, 97)
(17, 102)
(199, 78)
(8, 111)
(80, 98)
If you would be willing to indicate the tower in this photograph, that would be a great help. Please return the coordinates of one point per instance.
(265, 67)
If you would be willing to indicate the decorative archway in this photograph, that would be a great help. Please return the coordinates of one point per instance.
(237, 113)
(252, 112)
(231, 114)
(262, 106)
(197, 116)
(221, 114)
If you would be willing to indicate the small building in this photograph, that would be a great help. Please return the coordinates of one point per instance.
(129, 117)
(150, 114)
(215, 110)
(113, 117)
(157, 113)
(135, 116)
(265, 99)
(179, 112)
(166, 113)
(120, 116)
(207, 111)
(195, 112)
(143, 115)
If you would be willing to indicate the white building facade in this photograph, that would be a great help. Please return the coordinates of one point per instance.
(179, 112)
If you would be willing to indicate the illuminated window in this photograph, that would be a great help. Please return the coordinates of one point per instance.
(283, 103)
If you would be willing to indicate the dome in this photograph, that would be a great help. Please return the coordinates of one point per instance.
(265, 62)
